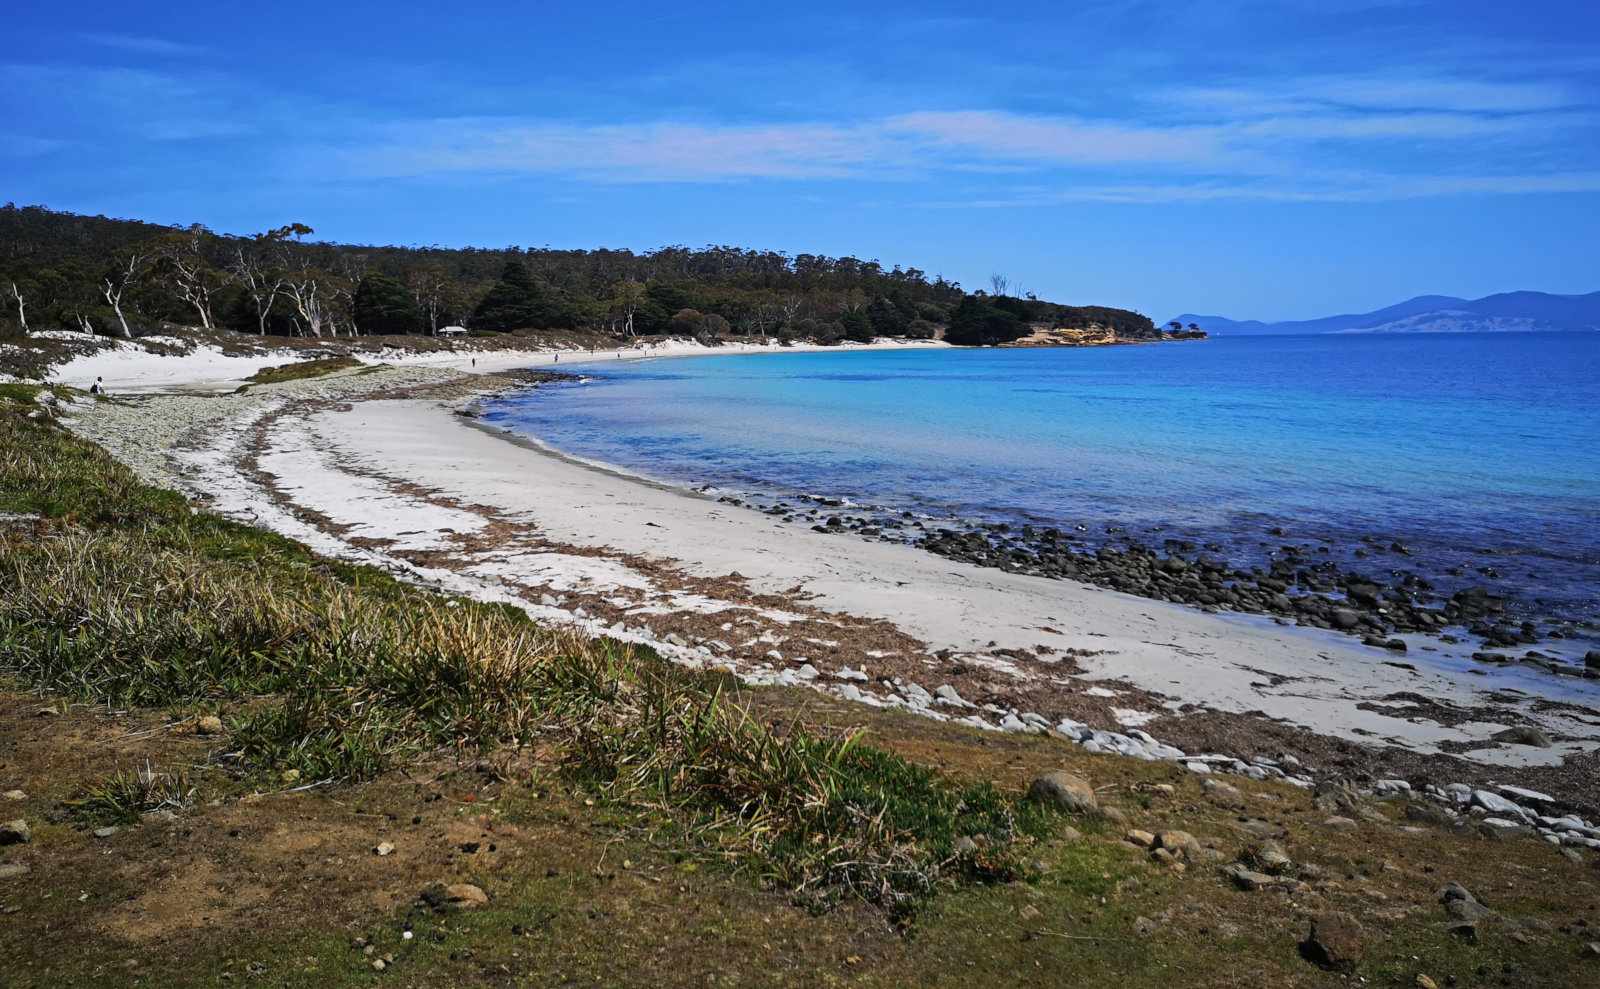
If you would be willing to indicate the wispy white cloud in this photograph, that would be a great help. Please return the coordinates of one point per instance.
(143, 45)
(1312, 138)
(1060, 140)
(1378, 92)
(1288, 148)
(644, 152)
(1333, 188)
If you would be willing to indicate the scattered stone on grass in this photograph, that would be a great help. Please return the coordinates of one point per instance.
(1064, 791)
(1334, 942)
(454, 896)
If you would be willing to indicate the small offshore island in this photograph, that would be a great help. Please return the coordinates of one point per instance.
(352, 679)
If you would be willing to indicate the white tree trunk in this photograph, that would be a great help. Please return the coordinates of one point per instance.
(114, 290)
(113, 296)
(22, 308)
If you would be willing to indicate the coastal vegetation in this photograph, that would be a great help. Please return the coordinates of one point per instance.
(333, 673)
(125, 277)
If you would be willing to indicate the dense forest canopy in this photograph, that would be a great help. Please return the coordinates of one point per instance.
(121, 277)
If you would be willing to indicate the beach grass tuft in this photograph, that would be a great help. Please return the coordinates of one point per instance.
(300, 370)
(127, 794)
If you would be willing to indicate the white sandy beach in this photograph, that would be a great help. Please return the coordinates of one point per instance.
(408, 484)
(132, 368)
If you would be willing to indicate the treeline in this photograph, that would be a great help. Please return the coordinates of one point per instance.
(122, 277)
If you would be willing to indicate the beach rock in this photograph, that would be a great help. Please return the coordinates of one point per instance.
(15, 832)
(1064, 791)
(1269, 856)
(1461, 905)
(1337, 796)
(1180, 843)
(1391, 788)
(1344, 618)
(1335, 942)
(1362, 593)
(12, 870)
(1592, 659)
(106, 831)
(1248, 879)
(1496, 804)
(455, 896)
(382, 849)
(1224, 794)
(1466, 930)
(1429, 813)
(14, 795)
(1466, 910)
(1143, 839)
(1524, 735)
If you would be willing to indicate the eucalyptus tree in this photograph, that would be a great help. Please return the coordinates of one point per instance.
(126, 269)
(187, 266)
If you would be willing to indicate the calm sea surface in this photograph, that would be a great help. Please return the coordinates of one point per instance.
(1480, 453)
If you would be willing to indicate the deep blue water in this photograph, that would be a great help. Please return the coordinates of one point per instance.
(1474, 450)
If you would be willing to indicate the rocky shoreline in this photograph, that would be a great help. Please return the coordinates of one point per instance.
(1300, 583)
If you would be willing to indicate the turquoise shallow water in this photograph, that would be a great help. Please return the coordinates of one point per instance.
(1480, 453)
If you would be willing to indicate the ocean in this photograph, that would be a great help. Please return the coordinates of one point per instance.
(1480, 454)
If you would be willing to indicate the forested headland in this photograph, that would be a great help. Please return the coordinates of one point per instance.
(122, 278)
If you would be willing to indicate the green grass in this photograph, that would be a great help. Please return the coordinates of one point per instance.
(28, 394)
(300, 370)
(129, 596)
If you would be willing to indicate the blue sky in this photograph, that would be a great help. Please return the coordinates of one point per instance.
(1257, 160)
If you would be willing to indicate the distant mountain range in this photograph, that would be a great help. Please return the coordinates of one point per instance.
(1508, 312)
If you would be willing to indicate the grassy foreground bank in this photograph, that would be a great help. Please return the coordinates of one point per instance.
(259, 722)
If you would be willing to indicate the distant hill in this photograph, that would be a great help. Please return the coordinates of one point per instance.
(1507, 312)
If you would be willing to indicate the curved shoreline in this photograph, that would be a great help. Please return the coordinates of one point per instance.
(376, 466)
(1389, 603)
